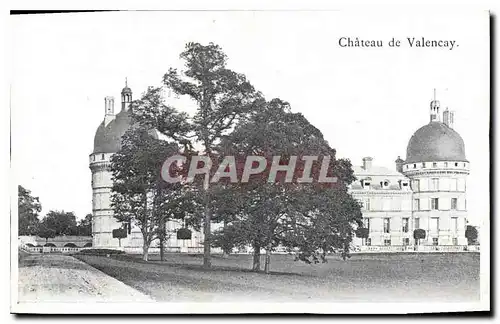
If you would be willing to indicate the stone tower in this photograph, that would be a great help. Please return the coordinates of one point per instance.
(106, 143)
(438, 170)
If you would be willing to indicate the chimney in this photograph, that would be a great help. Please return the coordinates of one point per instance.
(109, 110)
(399, 164)
(367, 163)
(448, 117)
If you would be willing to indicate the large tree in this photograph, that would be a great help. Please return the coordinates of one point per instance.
(309, 217)
(140, 196)
(222, 96)
(28, 208)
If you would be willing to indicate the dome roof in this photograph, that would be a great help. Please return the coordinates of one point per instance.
(435, 142)
(108, 138)
(126, 90)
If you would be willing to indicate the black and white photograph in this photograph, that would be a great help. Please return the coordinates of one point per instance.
(250, 161)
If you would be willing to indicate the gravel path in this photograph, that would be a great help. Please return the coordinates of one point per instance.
(62, 278)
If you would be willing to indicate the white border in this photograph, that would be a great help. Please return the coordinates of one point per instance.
(211, 308)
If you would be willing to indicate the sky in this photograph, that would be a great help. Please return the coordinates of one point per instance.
(366, 101)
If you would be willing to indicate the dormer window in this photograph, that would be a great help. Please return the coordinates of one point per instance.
(366, 183)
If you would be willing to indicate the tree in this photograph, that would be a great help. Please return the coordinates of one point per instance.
(308, 217)
(63, 223)
(139, 194)
(223, 97)
(471, 234)
(418, 234)
(119, 233)
(84, 227)
(28, 209)
(46, 232)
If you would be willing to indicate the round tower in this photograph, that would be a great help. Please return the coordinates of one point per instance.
(437, 167)
(107, 141)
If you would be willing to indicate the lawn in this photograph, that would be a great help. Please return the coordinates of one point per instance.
(451, 277)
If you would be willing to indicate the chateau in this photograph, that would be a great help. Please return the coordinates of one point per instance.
(427, 190)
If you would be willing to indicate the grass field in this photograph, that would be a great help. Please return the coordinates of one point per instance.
(452, 277)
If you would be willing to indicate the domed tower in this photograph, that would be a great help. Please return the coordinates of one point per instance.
(107, 141)
(437, 167)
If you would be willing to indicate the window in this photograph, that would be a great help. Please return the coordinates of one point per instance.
(386, 203)
(93, 158)
(406, 222)
(434, 165)
(453, 184)
(445, 164)
(366, 223)
(406, 241)
(454, 241)
(434, 203)
(423, 164)
(435, 184)
(368, 241)
(435, 241)
(416, 204)
(417, 223)
(434, 224)
(387, 225)
(414, 166)
(102, 156)
(415, 186)
(456, 164)
(464, 165)
(454, 224)
(366, 204)
(454, 202)
(387, 242)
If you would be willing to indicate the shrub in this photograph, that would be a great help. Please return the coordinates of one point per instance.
(418, 234)
(100, 252)
(184, 234)
(362, 233)
(471, 234)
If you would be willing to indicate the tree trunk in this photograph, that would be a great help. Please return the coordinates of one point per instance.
(268, 259)
(145, 250)
(256, 258)
(207, 262)
(162, 252)
(225, 253)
